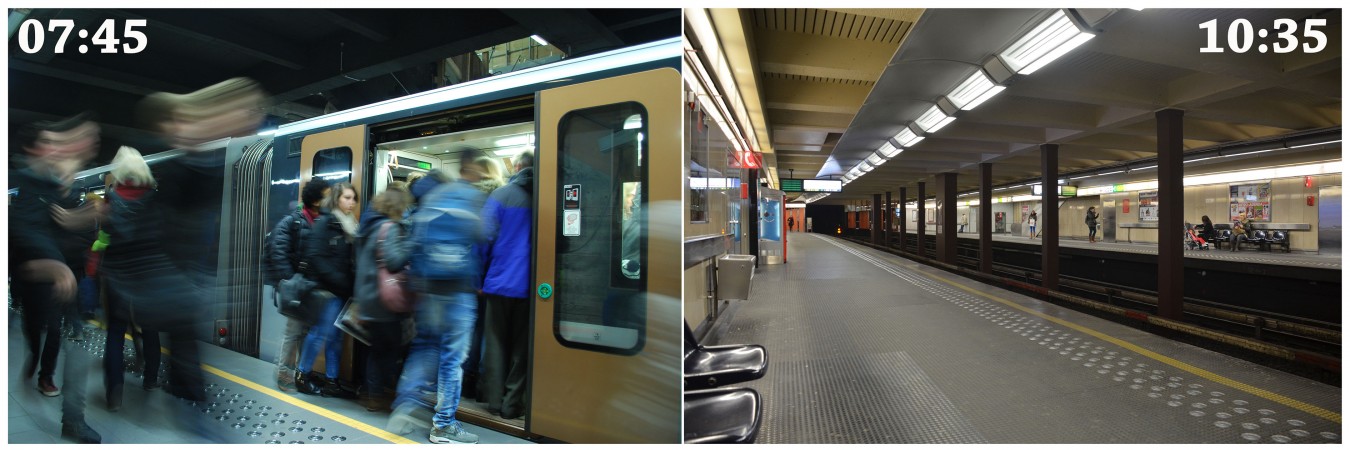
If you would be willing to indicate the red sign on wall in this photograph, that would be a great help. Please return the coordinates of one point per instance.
(1125, 204)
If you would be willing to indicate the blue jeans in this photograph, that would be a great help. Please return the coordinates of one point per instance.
(444, 331)
(326, 335)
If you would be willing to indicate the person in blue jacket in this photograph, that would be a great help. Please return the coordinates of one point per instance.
(507, 225)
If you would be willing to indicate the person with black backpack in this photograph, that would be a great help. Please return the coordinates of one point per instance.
(285, 250)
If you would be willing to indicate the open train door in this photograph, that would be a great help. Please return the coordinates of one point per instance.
(338, 156)
(606, 305)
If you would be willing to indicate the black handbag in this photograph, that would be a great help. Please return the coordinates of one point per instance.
(293, 299)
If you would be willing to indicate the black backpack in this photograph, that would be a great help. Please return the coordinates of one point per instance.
(273, 272)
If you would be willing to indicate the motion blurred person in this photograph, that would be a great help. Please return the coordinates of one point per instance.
(328, 250)
(493, 178)
(163, 240)
(380, 246)
(288, 238)
(508, 227)
(130, 181)
(444, 270)
(47, 244)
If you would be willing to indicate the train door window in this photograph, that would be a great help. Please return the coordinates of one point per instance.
(334, 165)
(600, 299)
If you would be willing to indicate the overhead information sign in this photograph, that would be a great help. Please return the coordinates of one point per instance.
(822, 185)
(801, 185)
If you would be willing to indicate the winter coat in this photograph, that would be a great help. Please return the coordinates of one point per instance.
(33, 233)
(507, 227)
(149, 284)
(287, 237)
(329, 256)
(395, 253)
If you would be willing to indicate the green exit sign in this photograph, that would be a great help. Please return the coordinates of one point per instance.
(424, 165)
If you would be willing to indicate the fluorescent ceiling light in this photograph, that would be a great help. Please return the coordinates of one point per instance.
(512, 141)
(907, 137)
(974, 91)
(1050, 40)
(931, 120)
(889, 151)
(538, 39)
(941, 124)
(865, 167)
(1145, 168)
(1296, 146)
(1111, 173)
(876, 160)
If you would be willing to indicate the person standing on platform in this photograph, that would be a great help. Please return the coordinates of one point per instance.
(1091, 221)
(284, 256)
(964, 220)
(507, 225)
(47, 238)
(1031, 221)
(329, 252)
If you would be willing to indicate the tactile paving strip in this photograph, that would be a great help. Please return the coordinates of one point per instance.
(1234, 416)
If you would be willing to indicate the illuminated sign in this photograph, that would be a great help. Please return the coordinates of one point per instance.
(1064, 191)
(791, 185)
(822, 185)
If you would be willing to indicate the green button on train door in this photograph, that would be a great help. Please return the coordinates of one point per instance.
(606, 365)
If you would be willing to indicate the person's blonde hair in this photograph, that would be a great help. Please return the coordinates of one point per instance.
(492, 169)
(392, 203)
(129, 168)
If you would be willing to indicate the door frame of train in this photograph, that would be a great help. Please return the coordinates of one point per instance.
(573, 390)
(356, 138)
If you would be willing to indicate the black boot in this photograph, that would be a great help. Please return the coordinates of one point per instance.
(331, 388)
(80, 432)
(309, 383)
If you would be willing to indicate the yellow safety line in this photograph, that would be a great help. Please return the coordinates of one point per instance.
(348, 421)
(1296, 404)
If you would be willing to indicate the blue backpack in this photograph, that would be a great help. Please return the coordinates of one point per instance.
(445, 228)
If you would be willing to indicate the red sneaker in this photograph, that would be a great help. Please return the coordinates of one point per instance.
(47, 387)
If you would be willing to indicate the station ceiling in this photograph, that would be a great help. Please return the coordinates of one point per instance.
(308, 60)
(833, 89)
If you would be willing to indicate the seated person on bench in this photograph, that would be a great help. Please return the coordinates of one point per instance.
(1241, 228)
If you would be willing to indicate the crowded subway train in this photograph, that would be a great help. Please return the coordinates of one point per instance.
(602, 349)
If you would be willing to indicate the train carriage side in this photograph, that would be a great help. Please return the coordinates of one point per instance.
(596, 121)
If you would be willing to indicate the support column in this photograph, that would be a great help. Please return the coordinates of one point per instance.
(921, 224)
(1171, 208)
(946, 232)
(986, 218)
(1048, 225)
(889, 217)
(904, 217)
(876, 219)
(753, 193)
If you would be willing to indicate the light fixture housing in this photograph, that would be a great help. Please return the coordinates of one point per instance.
(975, 90)
(932, 120)
(865, 167)
(1049, 40)
(889, 151)
(908, 137)
(876, 159)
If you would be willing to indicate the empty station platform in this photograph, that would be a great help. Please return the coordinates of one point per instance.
(868, 347)
(243, 406)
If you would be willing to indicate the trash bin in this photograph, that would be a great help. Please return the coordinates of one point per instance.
(733, 276)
